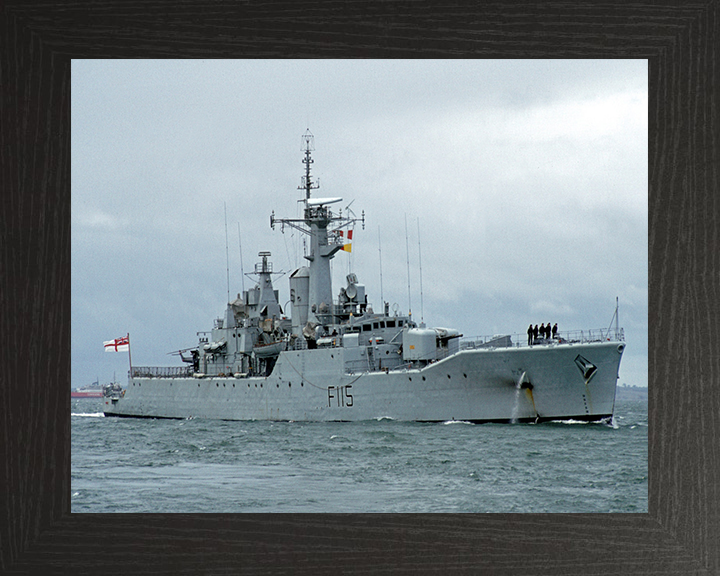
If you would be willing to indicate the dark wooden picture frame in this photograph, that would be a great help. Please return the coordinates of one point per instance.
(681, 532)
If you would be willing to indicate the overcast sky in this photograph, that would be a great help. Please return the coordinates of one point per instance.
(527, 181)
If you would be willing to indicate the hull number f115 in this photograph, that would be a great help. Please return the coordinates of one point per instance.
(340, 396)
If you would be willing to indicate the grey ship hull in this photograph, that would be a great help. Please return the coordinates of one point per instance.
(537, 383)
(335, 359)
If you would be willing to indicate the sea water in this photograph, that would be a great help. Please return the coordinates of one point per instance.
(147, 465)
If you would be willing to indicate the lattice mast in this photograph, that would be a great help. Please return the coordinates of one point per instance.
(307, 183)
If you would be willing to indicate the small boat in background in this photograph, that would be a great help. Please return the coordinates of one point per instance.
(94, 390)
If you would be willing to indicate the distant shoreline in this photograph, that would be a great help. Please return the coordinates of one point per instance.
(626, 392)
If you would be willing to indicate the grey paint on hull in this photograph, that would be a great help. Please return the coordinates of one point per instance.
(472, 385)
(337, 360)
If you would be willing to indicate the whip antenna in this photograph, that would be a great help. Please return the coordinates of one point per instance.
(242, 273)
(227, 255)
(407, 252)
(382, 299)
(422, 313)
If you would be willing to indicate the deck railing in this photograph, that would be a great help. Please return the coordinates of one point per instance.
(479, 342)
(521, 340)
(161, 371)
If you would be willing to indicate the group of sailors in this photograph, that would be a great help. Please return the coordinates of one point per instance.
(544, 332)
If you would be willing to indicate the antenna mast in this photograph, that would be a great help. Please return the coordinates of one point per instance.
(422, 313)
(309, 146)
(407, 252)
(380, 252)
(242, 273)
(227, 254)
(617, 316)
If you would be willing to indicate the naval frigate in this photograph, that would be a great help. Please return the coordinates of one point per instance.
(341, 360)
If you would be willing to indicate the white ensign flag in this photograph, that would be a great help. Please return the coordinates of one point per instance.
(118, 345)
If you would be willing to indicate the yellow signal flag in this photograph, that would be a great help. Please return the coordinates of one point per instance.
(347, 247)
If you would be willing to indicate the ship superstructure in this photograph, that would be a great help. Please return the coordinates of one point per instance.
(339, 359)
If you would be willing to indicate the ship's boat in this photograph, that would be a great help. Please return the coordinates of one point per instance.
(338, 359)
(271, 349)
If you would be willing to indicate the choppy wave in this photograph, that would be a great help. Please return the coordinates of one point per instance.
(149, 466)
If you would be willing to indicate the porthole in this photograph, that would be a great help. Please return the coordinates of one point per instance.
(277, 385)
(198, 384)
(223, 384)
(217, 385)
(409, 378)
(289, 384)
(448, 376)
(233, 385)
(423, 378)
(465, 375)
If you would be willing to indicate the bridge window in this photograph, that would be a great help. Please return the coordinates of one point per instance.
(367, 327)
(391, 323)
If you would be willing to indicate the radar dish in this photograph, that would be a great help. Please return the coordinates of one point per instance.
(351, 291)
